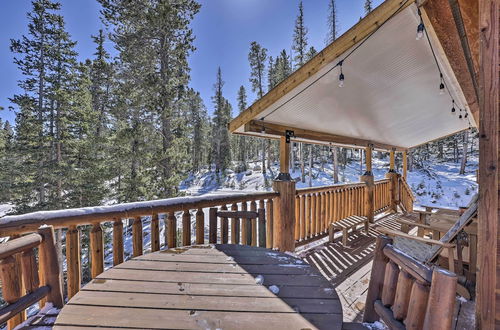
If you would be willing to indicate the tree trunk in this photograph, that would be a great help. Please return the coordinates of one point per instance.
(335, 151)
(263, 156)
(302, 165)
(360, 161)
(464, 153)
(310, 165)
(292, 157)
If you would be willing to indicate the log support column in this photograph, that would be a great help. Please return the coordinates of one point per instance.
(392, 175)
(284, 211)
(368, 179)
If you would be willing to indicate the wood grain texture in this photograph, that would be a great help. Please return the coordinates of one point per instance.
(207, 286)
(488, 283)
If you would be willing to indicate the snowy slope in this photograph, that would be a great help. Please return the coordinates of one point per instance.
(437, 184)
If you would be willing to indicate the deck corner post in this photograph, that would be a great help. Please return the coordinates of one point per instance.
(376, 279)
(284, 215)
(52, 276)
(393, 177)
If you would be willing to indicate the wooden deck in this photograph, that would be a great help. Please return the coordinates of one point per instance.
(207, 287)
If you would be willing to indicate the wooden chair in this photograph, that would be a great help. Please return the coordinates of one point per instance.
(407, 294)
(427, 250)
(18, 261)
(248, 237)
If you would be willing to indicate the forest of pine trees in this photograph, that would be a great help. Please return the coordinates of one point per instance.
(129, 127)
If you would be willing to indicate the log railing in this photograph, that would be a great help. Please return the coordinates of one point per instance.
(406, 197)
(185, 222)
(26, 281)
(316, 208)
(381, 196)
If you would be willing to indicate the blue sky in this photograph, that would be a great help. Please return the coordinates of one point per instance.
(223, 29)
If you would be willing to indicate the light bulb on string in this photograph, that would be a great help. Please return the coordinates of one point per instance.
(453, 111)
(460, 115)
(341, 76)
(420, 31)
(420, 27)
(441, 85)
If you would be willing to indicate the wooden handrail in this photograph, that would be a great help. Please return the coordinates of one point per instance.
(19, 245)
(328, 188)
(25, 223)
(9, 311)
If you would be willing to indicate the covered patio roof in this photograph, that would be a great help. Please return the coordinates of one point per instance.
(391, 96)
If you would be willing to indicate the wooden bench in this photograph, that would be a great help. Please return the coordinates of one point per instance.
(344, 225)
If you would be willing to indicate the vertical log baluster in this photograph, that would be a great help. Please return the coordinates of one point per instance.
(308, 216)
(224, 227)
(186, 228)
(235, 226)
(313, 214)
(297, 218)
(302, 217)
(96, 250)
(212, 226)
(117, 242)
(263, 207)
(29, 269)
(11, 288)
(244, 225)
(317, 222)
(73, 260)
(269, 224)
(155, 233)
(171, 230)
(52, 275)
(200, 226)
(253, 207)
(262, 227)
(137, 237)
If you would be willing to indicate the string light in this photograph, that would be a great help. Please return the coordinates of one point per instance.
(453, 111)
(460, 116)
(441, 85)
(420, 27)
(341, 76)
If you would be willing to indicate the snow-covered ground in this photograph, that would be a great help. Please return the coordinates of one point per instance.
(439, 183)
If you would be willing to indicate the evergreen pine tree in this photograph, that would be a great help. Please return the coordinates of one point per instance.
(299, 45)
(332, 22)
(368, 6)
(242, 140)
(222, 115)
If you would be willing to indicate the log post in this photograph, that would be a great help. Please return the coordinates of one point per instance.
(171, 230)
(137, 236)
(96, 250)
(52, 275)
(200, 226)
(488, 281)
(269, 223)
(117, 242)
(73, 260)
(11, 288)
(392, 175)
(369, 180)
(155, 233)
(441, 303)
(376, 279)
(186, 228)
(284, 205)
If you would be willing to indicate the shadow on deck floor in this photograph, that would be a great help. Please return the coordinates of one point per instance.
(348, 269)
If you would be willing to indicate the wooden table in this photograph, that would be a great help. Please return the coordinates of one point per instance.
(206, 287)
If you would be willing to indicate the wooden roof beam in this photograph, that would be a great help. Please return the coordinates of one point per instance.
(259, 126)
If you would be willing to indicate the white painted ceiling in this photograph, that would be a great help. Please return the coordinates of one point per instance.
(391, 92)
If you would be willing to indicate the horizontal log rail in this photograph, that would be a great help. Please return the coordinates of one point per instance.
(184, 221)
(26, 281)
